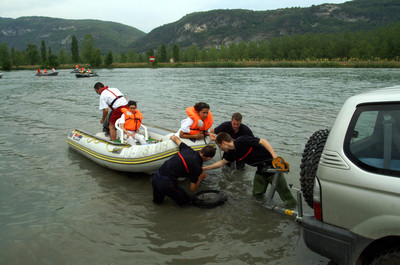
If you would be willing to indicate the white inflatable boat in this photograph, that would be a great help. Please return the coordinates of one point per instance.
(124, 157)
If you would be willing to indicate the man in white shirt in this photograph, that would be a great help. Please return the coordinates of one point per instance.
(111, 98)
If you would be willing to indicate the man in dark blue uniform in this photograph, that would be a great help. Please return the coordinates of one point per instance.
(254, 152)
(235, 128)
(187, 163)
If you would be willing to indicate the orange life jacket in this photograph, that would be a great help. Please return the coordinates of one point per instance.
(132, 120)
(205, 125)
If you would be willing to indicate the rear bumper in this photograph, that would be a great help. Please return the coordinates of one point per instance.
(340, 245)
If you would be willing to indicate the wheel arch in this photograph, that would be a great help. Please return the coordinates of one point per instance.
(379, 247)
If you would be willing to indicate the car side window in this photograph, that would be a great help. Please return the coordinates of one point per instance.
(373, 138)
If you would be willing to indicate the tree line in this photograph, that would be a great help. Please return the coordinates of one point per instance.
(378, 44)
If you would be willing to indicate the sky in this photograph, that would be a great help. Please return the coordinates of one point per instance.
(144, 15)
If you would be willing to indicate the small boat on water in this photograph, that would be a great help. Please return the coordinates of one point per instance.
(124, 157)
(85, 74)
(47, 74)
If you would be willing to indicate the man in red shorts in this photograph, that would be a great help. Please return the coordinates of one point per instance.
(111, 98)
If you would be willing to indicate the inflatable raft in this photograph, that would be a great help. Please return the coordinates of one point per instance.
(79, 75)
(124, 157)
(47, 74)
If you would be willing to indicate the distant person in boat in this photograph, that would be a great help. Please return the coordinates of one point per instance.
(133, 119)
(254, 152)
(198, 124)
(187, 163)
(38, 71)
(53, 70)
(111, 98)
(45, 71)
(235, 128)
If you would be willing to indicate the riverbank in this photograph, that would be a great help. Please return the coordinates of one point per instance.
(241, 64)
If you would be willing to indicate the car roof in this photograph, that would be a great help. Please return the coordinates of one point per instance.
(388, 94)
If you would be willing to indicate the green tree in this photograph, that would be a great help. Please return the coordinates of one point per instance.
(53, 61)
(212, 54)
(203, 54)
(176, 53)
(163, 54)
(96, 59)
(16, 58)
(264, 50)
(133, 57)
(63, 57)
(32, 54)
(192, 54)
(109, 58)
(75, 50)
(5, 57)
(43, 54)
(224, 53)
(253, 51)
(149, 53)
(233, 51)
(242, 51)
(88, 48)
(123, 58)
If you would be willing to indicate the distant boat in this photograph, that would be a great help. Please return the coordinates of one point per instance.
(47, 74)
(85, 74)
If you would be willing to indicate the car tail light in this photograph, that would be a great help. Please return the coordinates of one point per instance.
(317, 200)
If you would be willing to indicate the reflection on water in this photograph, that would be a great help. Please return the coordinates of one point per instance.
(58, 207)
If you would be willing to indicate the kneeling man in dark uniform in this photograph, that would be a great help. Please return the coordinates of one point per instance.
(254, 152)
(187, 163)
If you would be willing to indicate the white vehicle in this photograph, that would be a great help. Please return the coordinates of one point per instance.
(350, 175)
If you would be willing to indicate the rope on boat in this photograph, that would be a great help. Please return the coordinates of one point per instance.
(96, 140)
(114, 150)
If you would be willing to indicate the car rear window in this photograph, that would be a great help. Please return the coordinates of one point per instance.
(373, 138)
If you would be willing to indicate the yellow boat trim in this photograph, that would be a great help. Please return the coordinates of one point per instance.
(129, 161)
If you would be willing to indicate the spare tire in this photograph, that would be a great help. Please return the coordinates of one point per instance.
(309, 163)
(209, 198)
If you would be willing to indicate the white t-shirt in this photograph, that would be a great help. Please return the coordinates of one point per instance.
(106, 97)
(185, 126)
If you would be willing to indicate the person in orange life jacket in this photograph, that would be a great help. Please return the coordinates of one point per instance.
(111, 98)
(187, 163)
(198, 124)
(38, 71)
(235, 128)
(254, 152)
(45, 71)
(132, 120)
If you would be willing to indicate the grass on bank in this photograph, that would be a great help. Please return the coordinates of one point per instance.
(240, 64)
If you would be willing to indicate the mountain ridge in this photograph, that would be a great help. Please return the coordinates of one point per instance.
(204, 29)
(222, 27)
(57, 32)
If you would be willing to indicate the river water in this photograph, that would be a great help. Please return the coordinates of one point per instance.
(57, 207)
